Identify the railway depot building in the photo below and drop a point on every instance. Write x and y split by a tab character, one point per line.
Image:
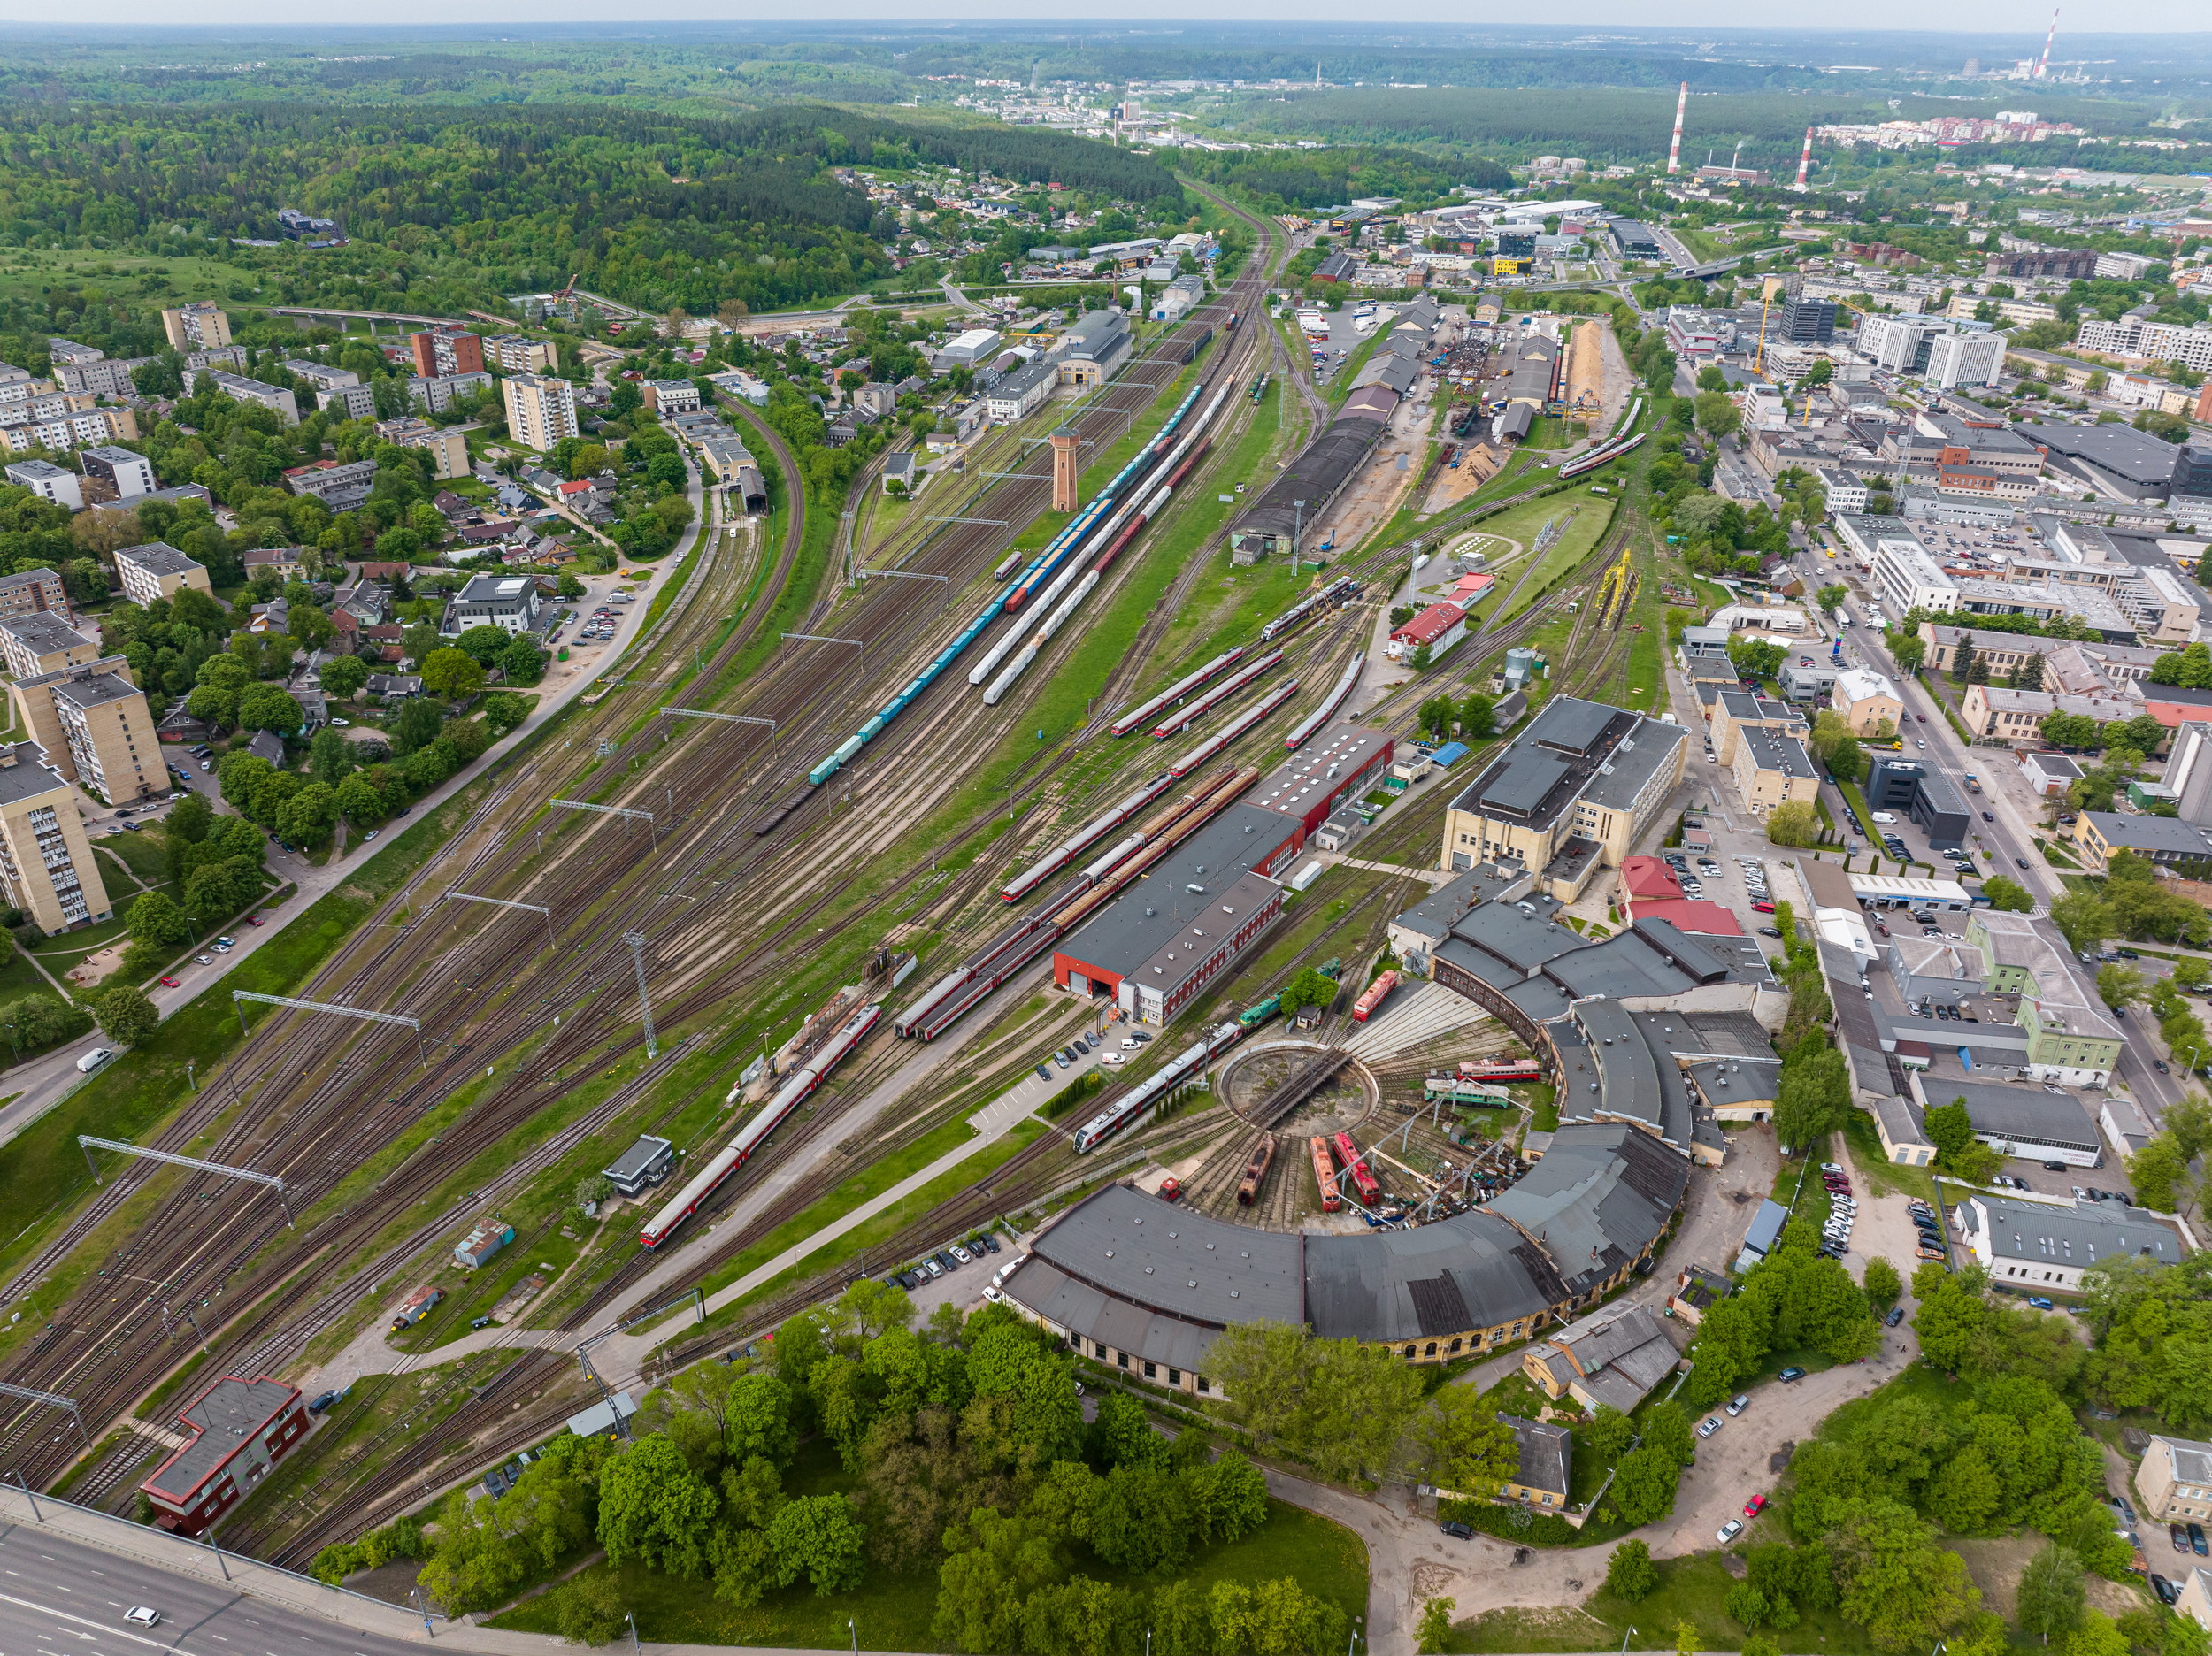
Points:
238	1430
1147	1286
1158	946
1573	792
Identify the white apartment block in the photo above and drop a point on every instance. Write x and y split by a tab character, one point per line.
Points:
47	481
2163	341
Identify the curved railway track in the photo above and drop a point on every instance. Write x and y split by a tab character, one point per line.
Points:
311	1099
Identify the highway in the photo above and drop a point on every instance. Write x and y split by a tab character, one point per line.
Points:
2002	843
60	1598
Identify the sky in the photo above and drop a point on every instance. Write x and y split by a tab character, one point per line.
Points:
2011	16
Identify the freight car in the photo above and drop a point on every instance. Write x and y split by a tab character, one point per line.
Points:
1262	1157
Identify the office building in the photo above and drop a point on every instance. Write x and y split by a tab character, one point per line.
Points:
1021	392
1573	792
1805	322
46	865
1868	702
2042	1247
199	326
158	570
2175	1480
447	350
1965	359
448	447
93	723
112	473
1894	341
512	602
540	411
1772	771
47	481
1910	579
341	485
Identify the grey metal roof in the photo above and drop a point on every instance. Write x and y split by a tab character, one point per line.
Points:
1572	725
1471	1271
43	632
1772	751
1520	935
2192	1461
1603	1192
1627	1074
638	1158
1767	1225
1434	915
158	557
1104	1320
1547	1454
224	1418
1138	924
1137	1248
2008	1110
2080	1235
1320	470
2153	833
29	776
1646	750
1723	1081
1626	963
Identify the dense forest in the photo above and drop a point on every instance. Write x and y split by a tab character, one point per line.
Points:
450	207
1306	180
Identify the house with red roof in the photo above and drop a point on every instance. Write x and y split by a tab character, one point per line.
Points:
1439	626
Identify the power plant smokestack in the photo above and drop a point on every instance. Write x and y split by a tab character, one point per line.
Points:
1804	162
2043	68
1681	105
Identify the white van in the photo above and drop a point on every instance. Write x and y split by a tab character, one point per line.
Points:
94	1059
1881	816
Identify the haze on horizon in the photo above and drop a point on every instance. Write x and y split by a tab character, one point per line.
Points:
2008	16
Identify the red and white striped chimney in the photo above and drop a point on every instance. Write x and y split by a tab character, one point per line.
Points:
1804	162
1674	151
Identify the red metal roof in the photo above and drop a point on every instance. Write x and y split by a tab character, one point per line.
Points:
1648	878
1431	625
1707	917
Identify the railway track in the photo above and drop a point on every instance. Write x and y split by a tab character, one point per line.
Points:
311	1100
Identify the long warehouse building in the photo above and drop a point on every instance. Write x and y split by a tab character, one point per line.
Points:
1177	929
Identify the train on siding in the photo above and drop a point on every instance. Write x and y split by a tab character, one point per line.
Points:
1312	607
1364	1185
1262	1157
740	1149
1141	1096
1324	1174
1378	991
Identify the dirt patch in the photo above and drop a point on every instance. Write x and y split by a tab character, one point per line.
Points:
1995	1563
92	968
1454	483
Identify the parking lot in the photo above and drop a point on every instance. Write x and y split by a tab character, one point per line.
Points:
1737	880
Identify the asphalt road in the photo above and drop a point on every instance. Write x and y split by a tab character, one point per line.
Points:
60	1598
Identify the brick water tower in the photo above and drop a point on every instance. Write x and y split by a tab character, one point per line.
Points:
1064	443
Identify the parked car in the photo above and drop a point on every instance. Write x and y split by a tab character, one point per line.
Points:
2168	1594
1738	1403
1730	1530
2039	1302
1896	1315
1457	1530
1752	1507
1706	1427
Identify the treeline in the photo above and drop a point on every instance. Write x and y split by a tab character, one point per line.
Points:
965	1457
1617	124
449	208
1305	181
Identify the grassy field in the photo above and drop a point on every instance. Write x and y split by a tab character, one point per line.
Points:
893	1612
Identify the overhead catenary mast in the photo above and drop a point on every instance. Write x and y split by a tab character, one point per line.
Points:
1804	162
1674	151
2043	66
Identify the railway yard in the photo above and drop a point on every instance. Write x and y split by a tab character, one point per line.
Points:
857	798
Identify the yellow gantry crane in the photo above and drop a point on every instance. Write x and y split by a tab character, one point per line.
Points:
1618	590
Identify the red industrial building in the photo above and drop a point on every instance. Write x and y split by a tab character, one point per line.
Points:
239	1429
1186	921
1439	626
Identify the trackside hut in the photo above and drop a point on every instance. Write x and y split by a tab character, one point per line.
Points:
238	1430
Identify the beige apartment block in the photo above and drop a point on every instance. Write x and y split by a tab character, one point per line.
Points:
158	570
42	643
96	723
1773	770
540	411
201	325
46	866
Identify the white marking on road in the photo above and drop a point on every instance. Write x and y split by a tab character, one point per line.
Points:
116	1632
